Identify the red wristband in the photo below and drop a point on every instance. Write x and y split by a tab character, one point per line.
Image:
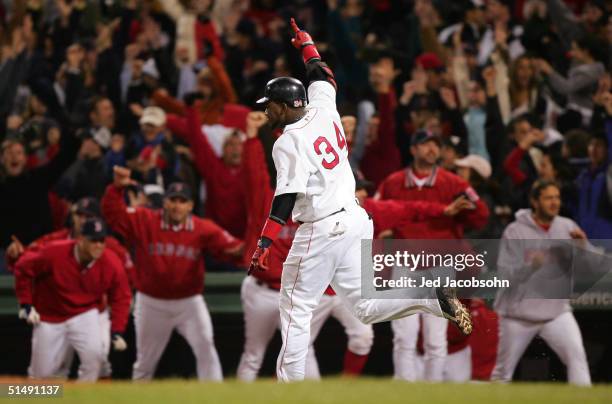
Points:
271	229
310	52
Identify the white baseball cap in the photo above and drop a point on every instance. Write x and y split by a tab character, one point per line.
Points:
154	116
478	163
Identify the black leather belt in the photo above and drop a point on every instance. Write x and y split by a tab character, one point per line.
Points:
331	214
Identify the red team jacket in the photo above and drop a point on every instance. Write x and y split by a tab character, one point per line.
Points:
225	203
391	213
443	187
168	259
59	287
65	234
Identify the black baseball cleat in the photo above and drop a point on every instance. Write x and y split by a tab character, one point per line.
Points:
454	310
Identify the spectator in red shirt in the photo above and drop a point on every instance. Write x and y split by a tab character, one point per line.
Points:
225	201
168	246
59	288
382	157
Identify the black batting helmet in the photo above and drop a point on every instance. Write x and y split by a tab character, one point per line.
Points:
287	90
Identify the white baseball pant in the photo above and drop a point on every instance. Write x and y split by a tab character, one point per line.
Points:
360	336
50	341
323	253
405	336
105	367
563	336
457	366
155	319
105	328
261	317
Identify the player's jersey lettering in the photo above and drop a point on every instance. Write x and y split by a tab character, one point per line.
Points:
341	140
329	149
172	250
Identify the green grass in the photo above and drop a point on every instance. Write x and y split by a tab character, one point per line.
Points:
379	391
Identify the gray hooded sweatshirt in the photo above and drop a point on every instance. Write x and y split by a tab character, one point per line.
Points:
520	239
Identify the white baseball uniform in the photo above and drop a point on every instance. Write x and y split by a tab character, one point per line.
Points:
311	159
50	341
457	366
405	336
261	317
105	368
154	320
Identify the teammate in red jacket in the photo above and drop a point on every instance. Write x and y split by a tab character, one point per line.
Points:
425	181
83	209
169	275
59	288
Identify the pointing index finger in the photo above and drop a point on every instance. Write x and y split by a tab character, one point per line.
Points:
296	29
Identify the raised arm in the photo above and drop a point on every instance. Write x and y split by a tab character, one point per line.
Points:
317	72
570	85
206	161
291	175
222	80
122	219
566	22
255	171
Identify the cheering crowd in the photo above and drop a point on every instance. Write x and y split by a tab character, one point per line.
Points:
132	147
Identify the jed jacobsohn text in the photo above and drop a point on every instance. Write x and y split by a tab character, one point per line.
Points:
445	282
422	260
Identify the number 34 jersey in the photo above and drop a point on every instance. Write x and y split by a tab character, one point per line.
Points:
311	159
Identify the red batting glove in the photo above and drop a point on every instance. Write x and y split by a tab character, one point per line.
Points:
303	41
260	259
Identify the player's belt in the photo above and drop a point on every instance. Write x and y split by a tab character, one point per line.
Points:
259	282
331	214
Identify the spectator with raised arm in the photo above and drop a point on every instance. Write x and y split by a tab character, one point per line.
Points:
225	202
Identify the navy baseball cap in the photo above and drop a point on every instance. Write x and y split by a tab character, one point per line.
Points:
178	189
87	206
94	229
422	135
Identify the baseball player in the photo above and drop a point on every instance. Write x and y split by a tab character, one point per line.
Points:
59	287
259	292
470	357
315	181
83	209
169	276
521	319
424	181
